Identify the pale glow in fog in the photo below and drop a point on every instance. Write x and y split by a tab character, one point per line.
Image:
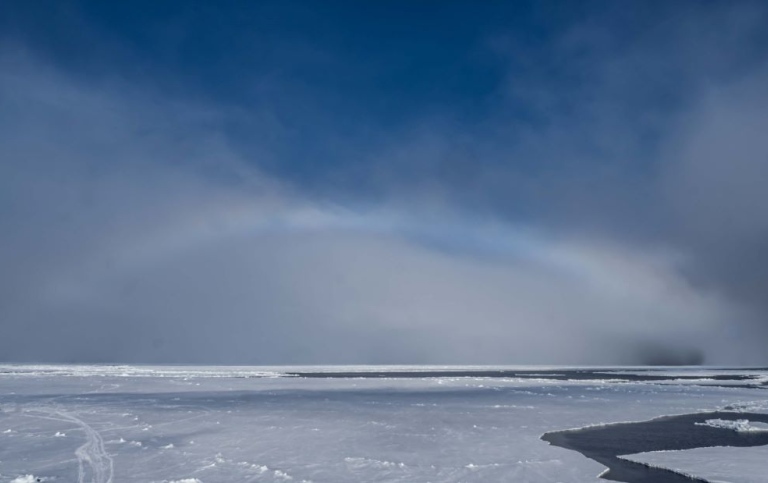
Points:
115	253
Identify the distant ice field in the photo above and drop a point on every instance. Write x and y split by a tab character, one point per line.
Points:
191	424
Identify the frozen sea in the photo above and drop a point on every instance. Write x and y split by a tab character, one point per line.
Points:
100	424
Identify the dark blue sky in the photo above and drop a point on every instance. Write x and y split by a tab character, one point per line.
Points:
393	181
337	77
375	56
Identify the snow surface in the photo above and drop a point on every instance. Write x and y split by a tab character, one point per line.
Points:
760	406
28	479
704	376
212	424
718	464
739	425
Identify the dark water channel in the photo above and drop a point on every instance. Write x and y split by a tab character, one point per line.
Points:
747	381
605	443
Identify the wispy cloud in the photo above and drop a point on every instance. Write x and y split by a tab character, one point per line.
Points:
612	229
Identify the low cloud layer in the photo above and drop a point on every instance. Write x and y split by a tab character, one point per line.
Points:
135	229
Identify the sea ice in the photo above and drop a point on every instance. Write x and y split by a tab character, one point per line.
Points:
137	424
717	464
739	425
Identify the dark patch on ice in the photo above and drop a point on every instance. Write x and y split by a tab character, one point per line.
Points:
605	443
642	375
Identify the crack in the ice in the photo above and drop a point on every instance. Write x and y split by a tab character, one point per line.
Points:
91	455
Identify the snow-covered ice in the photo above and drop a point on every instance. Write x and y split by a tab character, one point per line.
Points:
739	425
717	464
29	479
213	424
